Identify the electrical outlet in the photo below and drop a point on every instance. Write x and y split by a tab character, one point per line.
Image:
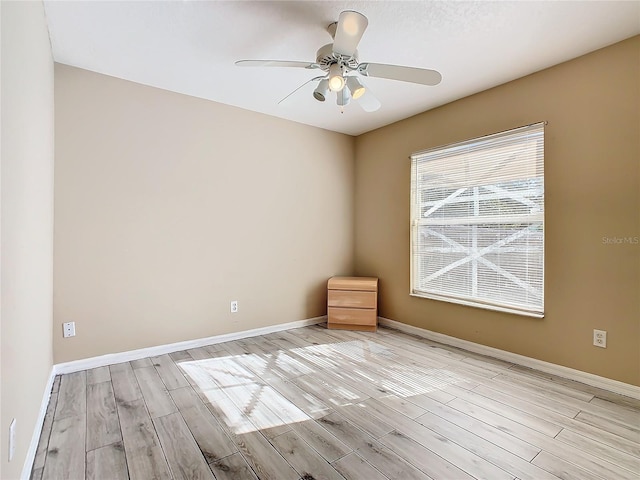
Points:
234	306
600	338
12	439
69	329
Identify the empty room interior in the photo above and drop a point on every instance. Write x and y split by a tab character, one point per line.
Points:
233	248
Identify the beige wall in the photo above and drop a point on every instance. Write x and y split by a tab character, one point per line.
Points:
168	207
592	162
26	223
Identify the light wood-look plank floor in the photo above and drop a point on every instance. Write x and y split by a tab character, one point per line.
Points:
313	403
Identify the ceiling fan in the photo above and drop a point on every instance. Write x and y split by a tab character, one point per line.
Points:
341	67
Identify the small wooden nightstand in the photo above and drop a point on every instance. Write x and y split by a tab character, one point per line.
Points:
352	303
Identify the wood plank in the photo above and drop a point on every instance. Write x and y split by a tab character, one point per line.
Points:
390	464
215	347
36	474
258	452
145	458
502	423
387	462
221	371
617	407
209	435
578	456
354	467
66	453
620	415
56	384
98	375
521	401
470	401
533	395
233	467
509	441
72	397
326	388
107	462
429	349
521	378
103	426
307	462
619	443
442	445
185	398
308	403
562	468
43	442
250	400
181	356
263	367
169	372
326	444
182	452
124	382
423	458
612	427
600	450
231	419
235	348
515	466
141	363
402	405
154	392
574	385
199	353
211	438
611	412
359	416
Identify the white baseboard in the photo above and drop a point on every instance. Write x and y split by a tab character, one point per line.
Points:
35	438
110	359
566	372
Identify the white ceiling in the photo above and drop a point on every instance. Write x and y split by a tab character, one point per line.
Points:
190	47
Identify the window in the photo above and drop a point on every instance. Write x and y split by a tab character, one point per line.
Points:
477	222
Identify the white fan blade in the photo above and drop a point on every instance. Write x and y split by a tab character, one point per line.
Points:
368	101
301	86
351	27
404	74
275	63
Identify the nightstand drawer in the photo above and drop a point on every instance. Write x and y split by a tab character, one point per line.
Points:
349	316
356	299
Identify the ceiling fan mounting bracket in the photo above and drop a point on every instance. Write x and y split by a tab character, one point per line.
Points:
331	28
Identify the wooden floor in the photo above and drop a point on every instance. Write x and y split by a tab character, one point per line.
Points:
319	404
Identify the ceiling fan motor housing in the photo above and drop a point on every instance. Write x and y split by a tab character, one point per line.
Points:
325	57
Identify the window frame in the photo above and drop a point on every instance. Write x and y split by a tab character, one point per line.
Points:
417	203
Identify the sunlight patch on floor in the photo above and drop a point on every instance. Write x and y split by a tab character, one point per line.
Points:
233	387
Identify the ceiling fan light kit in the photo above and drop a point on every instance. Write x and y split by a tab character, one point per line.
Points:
343	97
339	62
356	88
321	91
336	80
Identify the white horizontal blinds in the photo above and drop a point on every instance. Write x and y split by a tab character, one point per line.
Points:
478	221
